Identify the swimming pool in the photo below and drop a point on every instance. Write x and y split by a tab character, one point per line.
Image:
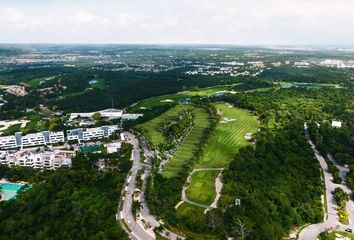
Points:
9	190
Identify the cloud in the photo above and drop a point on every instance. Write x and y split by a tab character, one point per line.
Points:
84	18
180	21
13	15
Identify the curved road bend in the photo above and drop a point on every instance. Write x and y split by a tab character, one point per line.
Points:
125	214
312	231
139	231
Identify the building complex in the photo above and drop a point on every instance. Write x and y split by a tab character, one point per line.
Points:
110	113
47	159
49	138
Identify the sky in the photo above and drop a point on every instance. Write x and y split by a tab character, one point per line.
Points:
240	22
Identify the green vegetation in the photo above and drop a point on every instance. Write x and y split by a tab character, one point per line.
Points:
101	84
38	81
341	199
327	236
334	171
190	144
226	140
202	187
173	99
228	136
67	203
152	129
12	129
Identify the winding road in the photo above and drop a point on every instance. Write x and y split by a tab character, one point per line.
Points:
142	227
331	221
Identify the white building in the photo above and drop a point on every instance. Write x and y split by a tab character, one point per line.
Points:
33	139
87	134
122	137
8	142
131	116
336	124
113	147
110	113
37	159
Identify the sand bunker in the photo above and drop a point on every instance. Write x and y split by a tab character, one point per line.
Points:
227	120
166	101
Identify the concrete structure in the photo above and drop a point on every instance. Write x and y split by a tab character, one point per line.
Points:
110	113
33	139
336	124
113	147
87	134
8	142
48	138
37	159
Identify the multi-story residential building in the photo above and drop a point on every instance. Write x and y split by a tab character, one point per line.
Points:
30	140
49	138
33	139
37	159
8	142
87	134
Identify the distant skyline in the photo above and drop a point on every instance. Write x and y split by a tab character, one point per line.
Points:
239	22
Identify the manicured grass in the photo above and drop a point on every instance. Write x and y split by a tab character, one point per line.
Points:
202	187
228	137
152	127
185	208
346	234
156	101
224	143
188	147
38	81
101	84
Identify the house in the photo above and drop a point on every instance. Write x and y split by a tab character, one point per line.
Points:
336	124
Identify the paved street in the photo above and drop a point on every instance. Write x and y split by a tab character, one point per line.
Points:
142	228
331	222
125	214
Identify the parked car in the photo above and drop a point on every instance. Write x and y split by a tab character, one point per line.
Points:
349	230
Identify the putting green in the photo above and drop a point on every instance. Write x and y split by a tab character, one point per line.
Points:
202	187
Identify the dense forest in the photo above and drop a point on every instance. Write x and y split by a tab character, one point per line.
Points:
76	203
278	181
